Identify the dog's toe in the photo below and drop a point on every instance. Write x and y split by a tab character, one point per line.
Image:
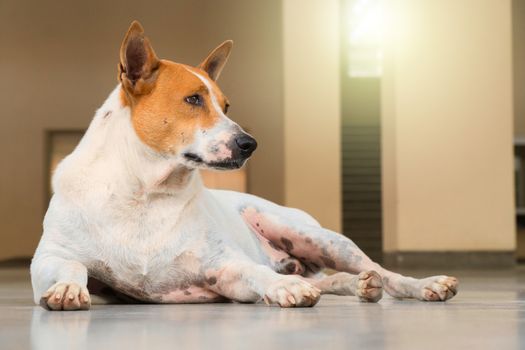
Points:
369	287
439	288
67	297
292	292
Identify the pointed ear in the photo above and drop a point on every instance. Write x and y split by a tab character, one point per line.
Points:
138	62
214	63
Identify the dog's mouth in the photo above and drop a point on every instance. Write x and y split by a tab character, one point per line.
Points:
219	165
226	165
192	157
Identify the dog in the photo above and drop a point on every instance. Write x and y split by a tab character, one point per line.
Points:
130	210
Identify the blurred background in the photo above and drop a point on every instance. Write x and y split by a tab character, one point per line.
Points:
400	123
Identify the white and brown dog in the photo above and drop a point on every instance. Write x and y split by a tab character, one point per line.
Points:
130	210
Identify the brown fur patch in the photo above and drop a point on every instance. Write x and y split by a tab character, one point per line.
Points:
155	90
287	244
163	119
271	244
328	262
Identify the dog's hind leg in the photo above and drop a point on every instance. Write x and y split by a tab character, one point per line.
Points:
280	260
301	236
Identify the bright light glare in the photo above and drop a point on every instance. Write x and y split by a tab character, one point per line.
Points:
367	22
367	25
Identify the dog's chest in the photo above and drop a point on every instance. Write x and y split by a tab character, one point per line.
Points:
150	277
154	249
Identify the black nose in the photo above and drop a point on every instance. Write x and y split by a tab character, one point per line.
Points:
246	144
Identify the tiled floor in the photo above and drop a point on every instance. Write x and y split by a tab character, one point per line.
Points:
488	313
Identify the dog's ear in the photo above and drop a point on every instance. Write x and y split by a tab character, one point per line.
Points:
214	63
138	65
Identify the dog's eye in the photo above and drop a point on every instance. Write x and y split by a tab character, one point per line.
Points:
226	108
195	100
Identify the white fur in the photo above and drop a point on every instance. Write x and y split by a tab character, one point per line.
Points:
116	200
144	219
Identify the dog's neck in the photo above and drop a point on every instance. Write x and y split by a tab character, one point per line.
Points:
131	167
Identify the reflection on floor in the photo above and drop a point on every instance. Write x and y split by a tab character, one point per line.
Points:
488	313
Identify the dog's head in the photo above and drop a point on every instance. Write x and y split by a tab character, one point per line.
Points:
178	110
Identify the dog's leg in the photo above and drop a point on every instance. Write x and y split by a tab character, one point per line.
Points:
367	286
244	281
59	284
300	235
281	261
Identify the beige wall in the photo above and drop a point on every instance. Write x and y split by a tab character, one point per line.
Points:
58	64
447	126
312	108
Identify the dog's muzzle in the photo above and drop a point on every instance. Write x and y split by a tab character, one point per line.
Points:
242	147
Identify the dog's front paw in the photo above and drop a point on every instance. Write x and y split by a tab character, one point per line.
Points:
292	292
369	287
438	288
66	296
